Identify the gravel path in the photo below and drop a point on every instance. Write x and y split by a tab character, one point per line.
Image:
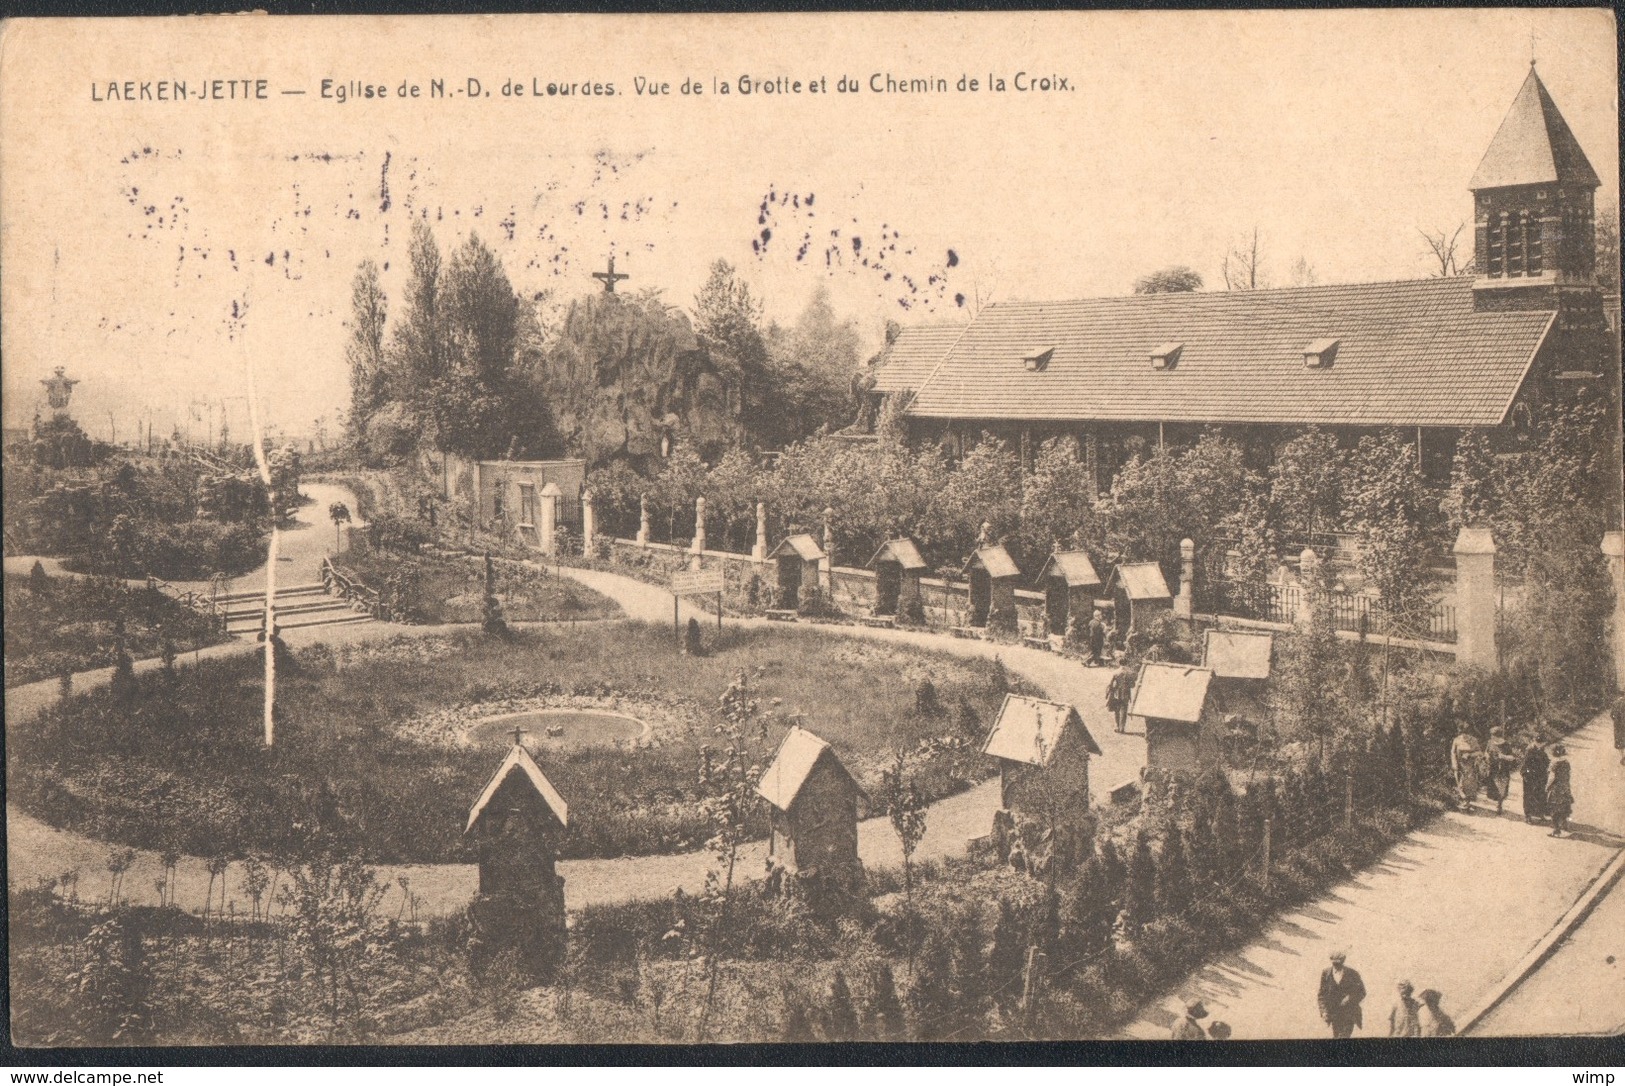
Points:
1454	907
36	850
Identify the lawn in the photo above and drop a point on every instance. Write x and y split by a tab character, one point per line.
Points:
431	590
356	767
54	623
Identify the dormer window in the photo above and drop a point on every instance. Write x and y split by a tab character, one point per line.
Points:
1166	357
1037	359
1318	355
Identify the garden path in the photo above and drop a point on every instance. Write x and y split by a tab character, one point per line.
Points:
36	850
1455	906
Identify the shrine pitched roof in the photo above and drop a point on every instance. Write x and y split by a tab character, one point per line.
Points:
798	755
1030	730
901	551
1073	567
1171	692
1238	654
1409	354
1142	581
996	560
519	761
803	546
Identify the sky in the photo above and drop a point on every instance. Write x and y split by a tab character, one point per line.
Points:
176	257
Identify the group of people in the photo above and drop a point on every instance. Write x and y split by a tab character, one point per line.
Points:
1548	787
1342	994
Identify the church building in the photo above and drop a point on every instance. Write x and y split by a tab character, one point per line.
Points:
1490	349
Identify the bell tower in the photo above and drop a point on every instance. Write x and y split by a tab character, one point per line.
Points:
1534	212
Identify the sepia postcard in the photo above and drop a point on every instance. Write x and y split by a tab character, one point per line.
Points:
684	529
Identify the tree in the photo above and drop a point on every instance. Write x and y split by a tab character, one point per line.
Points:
339	514
1242	267
1441	245
1306	485
417	348
1173	874
812	363
1174	279
364	351
1608	250
1392	506
728	322
905	807
1058	500
883	1017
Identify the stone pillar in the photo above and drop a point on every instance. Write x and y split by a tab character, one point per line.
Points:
588	527
829	555
698	545
1185	601
758	552
1613	549
1308	585
643	521
1475	598
550	518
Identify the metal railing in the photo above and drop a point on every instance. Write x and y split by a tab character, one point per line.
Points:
1364	615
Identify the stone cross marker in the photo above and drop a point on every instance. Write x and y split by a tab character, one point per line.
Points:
611	277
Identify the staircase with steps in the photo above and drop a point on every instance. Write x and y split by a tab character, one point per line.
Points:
296	606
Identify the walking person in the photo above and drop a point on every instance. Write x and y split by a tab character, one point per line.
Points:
1341	993
1501	761
1189	1028
1534	770
1119	692
1403	1020
1431	1019
1097	641
1559	791
1465	763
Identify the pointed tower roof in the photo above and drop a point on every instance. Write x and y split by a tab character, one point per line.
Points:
1534	145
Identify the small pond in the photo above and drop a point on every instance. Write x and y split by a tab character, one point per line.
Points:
573	728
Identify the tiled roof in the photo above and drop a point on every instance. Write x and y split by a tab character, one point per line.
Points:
1073	567
1233	654
519	761
1143	581
901	551
1534	145
798	753
1171	692
996	560
1030	730
803	546
1409	354
911	357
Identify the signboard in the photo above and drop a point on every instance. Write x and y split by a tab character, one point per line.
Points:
696	582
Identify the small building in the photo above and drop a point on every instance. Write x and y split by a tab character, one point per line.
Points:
798	558
992	574
1043	750
518	824
1069	582
1138	593
510	495
1180	721
814	803
898	567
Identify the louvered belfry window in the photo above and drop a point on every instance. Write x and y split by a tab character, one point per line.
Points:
1518	236
1496	262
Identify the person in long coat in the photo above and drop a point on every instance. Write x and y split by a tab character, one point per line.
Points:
1501	761
1466	758
1559	791
1534	770
1119	692
1341	993
1431	1019
1402	1020
1097	641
